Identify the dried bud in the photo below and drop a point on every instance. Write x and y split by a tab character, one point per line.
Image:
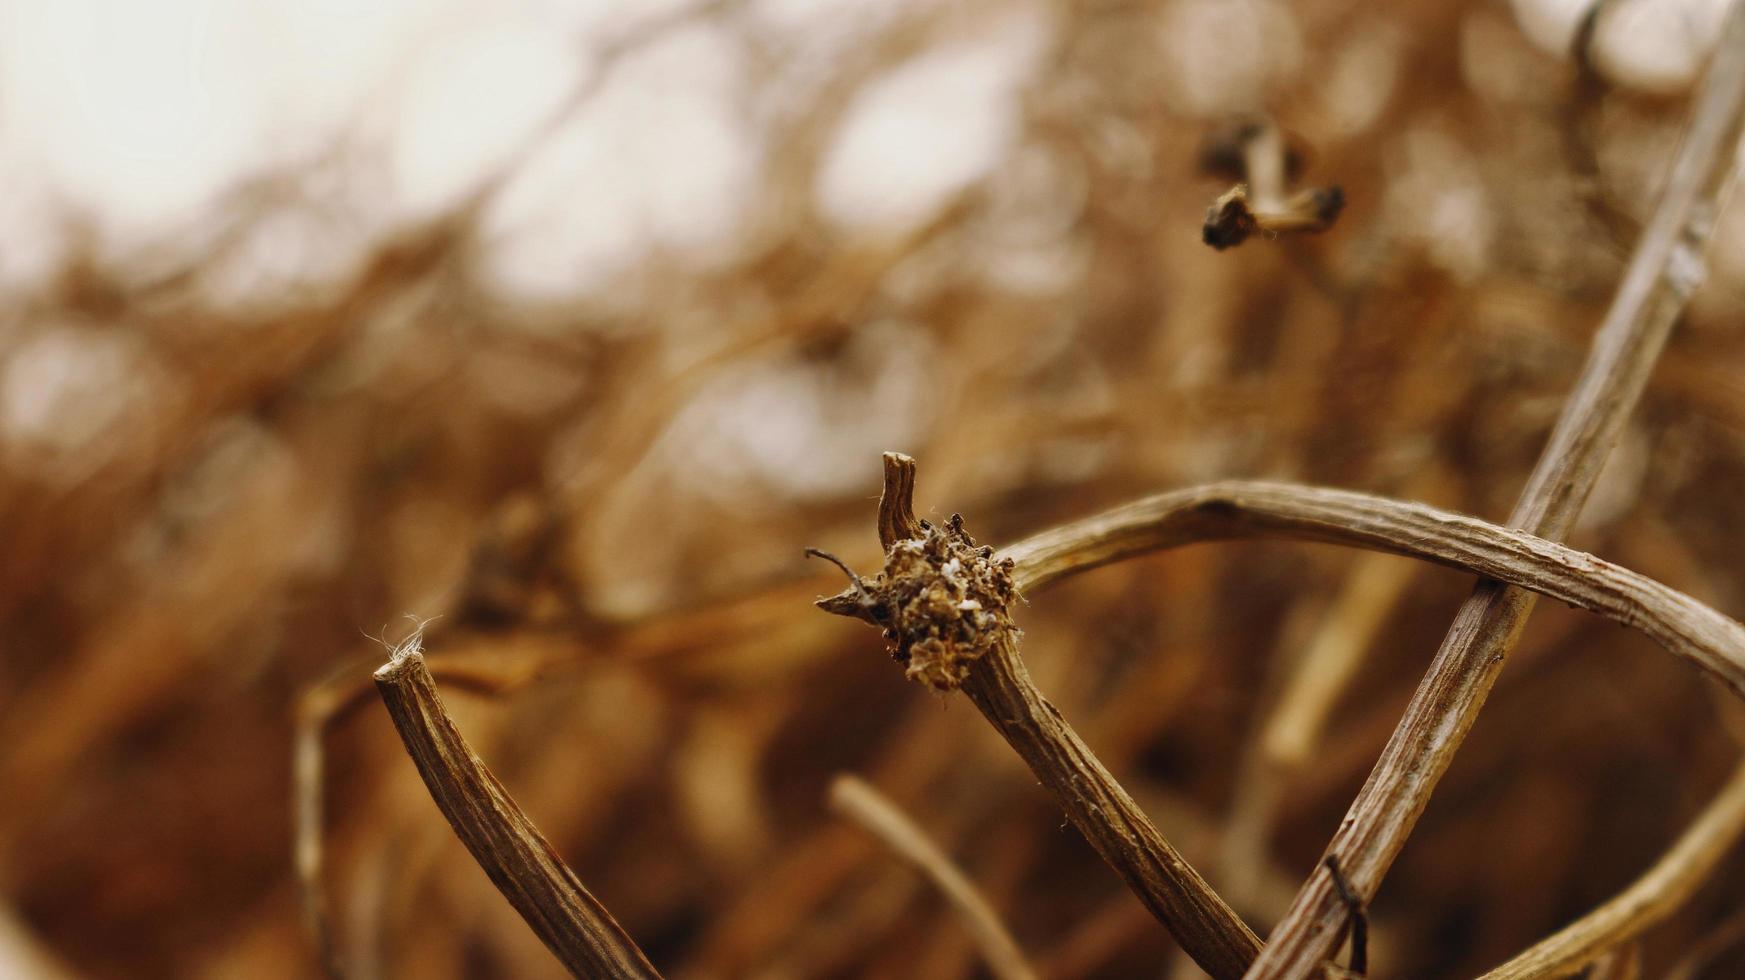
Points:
942	600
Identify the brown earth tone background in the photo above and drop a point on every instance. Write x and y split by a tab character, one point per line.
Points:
567	330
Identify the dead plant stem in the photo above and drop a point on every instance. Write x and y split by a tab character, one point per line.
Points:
1224	511
997	682
1663	273
989	671
1651	898
504	842
856	799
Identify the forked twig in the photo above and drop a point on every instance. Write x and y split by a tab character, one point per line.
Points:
1651	898
523	866
943	601
993	676
1663	273
856	799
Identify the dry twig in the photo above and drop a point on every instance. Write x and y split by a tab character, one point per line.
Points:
1222	511
856	799
1666	269
523	866
978	651
1713	944
1653	897
22	954
1623	963
1292	730
1255	153
944	600
319	709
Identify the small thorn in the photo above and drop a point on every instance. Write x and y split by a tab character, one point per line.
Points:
859	586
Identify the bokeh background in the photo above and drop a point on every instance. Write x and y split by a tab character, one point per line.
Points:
567	325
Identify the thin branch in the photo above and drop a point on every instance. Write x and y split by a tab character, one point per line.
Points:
549	896
944	602
1293	730
994	677
23	954
1717	941
308	822
319	709
1653	897
1665	270
1289	734
857	800
1255	153
1223	511
1623	963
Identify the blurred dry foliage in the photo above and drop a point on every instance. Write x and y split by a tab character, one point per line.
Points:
215	480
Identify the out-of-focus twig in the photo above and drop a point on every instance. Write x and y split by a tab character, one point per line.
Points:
1653	897
1705	950
23	955
856	799
1332	658
1623	963
1254	153
1291	732
567	918
1665	271
1578	135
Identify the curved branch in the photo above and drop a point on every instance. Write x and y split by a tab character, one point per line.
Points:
991	673
856	799
1664	271
1653	897
1222	511
523	866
